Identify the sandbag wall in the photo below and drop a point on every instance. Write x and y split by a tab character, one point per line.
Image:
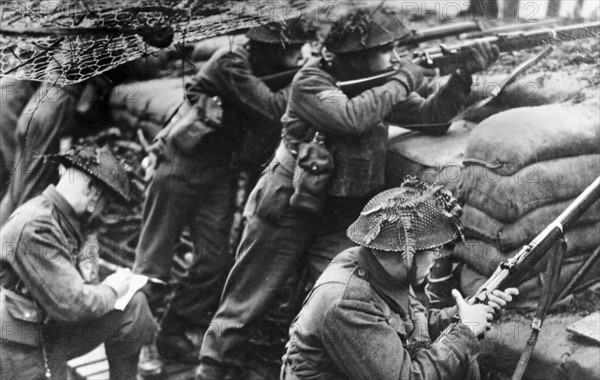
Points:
523	167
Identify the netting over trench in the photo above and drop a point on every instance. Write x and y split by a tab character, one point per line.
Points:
67	41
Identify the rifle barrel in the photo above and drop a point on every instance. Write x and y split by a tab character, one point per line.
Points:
517	27
429	34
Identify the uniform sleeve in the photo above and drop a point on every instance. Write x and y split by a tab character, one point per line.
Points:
320	103
44	266
233	80
364	346
438	108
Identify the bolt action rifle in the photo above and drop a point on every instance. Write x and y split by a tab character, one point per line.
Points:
516	269
280	80
448	59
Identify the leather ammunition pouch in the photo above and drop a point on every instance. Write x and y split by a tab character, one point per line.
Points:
194	122
20	319
314	166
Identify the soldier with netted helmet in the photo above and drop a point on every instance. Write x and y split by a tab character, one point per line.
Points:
53	308
230	120
295	218
362	320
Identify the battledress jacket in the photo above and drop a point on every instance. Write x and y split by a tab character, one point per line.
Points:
360	323
251	110
42	259
356	129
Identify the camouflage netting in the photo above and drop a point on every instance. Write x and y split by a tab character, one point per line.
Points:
69	41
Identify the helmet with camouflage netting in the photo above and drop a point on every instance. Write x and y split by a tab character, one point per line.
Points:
99	163
365	28
413	217
296	31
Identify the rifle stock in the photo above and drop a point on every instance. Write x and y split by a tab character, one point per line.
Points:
513	271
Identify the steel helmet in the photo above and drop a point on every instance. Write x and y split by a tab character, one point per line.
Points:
101	164
296	31
365	28
413	217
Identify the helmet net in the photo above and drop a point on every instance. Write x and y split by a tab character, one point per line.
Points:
68	41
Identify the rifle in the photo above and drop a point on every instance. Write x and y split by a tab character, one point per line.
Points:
417	37
280	80
447	59
514	271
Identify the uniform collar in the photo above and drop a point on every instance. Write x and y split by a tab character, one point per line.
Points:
64	208
387	286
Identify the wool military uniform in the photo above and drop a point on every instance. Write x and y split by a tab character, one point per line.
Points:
49	300
361	323
277	238
195	188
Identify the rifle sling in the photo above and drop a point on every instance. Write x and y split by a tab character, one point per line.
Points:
548	292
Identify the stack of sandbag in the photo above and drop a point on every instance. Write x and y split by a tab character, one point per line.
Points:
523	167
439	158
145	105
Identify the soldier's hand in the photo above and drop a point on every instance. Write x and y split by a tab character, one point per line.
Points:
409	74
149	164
119	281
498	299
479	57
475	317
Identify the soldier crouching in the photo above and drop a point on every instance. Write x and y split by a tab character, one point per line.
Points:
362	320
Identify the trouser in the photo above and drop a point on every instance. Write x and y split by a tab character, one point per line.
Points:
196	191
122	332
275	241
49	115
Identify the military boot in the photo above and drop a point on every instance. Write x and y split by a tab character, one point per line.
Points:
150	365
172	342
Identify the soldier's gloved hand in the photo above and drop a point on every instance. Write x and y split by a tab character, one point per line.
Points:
480	56
409	74
119	281
475	317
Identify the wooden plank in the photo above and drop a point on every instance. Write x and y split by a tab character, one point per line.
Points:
588	327
93	370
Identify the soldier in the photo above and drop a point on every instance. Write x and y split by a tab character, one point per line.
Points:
52	113
362	320
279	234
52	308
192	184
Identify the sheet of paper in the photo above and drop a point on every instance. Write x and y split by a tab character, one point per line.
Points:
136	283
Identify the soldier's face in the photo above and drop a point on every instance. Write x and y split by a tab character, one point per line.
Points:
422	265
290	57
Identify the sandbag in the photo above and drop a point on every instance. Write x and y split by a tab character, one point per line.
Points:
529	91
479	225
507	198
430	158
485	257
512	140
146	105
530	290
